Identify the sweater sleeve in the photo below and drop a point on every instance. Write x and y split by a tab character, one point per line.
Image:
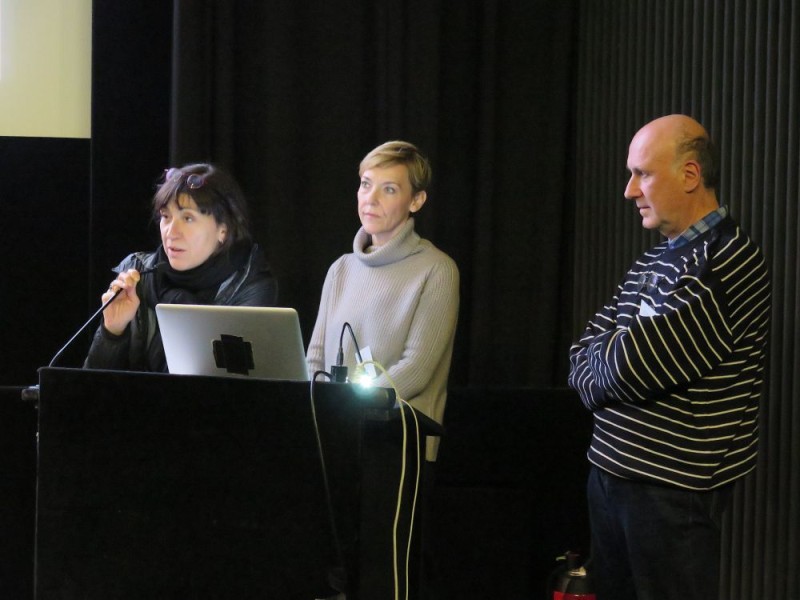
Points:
689	337
108	351
315	355
431	333
582	378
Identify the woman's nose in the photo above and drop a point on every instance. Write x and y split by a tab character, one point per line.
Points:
172	229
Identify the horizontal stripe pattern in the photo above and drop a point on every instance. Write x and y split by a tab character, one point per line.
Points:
675	385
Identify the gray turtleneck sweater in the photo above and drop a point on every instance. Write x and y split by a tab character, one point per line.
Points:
401	299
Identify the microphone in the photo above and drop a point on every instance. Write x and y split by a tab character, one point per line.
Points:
153	269
339	371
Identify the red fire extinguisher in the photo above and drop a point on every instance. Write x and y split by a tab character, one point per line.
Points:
571	580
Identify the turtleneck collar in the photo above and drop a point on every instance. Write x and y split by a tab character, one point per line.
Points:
403	244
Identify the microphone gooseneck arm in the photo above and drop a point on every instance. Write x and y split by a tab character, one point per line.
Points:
97	312
339	371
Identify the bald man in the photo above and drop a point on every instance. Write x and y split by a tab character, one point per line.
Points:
672	370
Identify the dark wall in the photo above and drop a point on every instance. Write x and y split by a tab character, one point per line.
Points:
18	491
44	209
510	490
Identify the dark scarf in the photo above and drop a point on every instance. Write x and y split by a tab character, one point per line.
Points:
195	286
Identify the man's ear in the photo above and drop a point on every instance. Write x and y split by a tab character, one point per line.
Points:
692	176
418	200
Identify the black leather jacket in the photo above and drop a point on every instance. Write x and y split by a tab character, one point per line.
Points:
139	348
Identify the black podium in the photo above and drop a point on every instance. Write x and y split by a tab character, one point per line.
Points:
164	486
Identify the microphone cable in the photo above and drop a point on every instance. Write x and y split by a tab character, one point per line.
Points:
341	584
339	371
403	405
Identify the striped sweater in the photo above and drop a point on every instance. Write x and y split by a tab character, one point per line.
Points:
673	367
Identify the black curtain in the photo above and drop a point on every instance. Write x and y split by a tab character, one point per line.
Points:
290	96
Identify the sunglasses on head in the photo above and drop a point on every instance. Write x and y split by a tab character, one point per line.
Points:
193	180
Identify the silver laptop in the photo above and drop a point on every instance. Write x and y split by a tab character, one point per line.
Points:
238	341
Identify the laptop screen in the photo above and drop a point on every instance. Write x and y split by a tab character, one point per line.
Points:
232	341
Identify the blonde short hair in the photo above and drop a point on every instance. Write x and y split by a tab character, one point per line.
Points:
400	153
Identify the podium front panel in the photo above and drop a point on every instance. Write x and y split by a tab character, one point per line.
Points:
156	486
164	486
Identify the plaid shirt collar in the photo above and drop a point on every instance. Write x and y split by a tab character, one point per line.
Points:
703	225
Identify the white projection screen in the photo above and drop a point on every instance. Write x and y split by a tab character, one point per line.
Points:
45	68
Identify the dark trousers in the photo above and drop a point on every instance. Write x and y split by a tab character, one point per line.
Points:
652	542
